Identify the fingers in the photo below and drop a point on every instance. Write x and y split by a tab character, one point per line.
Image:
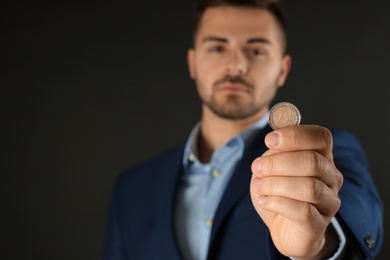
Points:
298	171
293	210
302	137
299	191
295	184
298	164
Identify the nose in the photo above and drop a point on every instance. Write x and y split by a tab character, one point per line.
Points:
237	64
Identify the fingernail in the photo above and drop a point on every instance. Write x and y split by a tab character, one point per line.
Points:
272	140
262	199
256	183
256	167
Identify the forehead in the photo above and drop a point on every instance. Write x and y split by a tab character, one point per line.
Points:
238	23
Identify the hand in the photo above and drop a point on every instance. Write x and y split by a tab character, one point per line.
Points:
294	189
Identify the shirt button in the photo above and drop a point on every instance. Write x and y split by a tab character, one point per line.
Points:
209	222
216	173
191	157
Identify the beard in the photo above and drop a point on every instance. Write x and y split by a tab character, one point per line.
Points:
233	107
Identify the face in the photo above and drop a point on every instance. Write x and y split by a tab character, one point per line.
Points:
238	61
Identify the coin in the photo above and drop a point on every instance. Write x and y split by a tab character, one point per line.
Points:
283	114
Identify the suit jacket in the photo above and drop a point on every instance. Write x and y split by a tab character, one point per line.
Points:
141	224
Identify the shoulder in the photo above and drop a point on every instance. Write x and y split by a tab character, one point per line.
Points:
142	172
346	144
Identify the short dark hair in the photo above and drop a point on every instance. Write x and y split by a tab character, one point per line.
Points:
273	6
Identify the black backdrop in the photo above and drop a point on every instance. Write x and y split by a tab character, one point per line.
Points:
88	90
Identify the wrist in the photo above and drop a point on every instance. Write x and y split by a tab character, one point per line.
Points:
327	246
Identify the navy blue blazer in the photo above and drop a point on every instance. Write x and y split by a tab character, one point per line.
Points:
141	223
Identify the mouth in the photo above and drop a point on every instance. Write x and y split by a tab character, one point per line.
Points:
233	89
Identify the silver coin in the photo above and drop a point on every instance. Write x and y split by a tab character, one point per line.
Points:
283	114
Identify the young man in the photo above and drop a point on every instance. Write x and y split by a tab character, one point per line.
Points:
236	189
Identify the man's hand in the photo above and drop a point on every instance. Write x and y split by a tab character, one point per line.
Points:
294	189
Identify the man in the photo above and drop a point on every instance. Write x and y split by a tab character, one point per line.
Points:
236	189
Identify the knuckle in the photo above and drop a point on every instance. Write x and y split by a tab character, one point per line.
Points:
312	161
339	180
334	207
309	211
338	203
295	137
313	190
326	137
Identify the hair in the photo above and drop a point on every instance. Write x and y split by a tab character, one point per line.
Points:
272	6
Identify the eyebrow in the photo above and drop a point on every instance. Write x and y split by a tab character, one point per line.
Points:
214	39
224	40
259	40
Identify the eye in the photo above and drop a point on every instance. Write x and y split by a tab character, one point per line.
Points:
256	52
216	49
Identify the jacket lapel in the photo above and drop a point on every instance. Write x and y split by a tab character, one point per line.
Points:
167	185
168	180
239	183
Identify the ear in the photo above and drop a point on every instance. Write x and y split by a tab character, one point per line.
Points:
286	66
191	62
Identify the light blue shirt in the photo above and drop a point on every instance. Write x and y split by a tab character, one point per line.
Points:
201	188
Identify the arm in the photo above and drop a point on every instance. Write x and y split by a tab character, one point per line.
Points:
359	197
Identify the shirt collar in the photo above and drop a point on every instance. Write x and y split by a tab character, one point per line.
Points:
191	150
249	134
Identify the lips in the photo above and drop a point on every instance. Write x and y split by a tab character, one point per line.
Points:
233	88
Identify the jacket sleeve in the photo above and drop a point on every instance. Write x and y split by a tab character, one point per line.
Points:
361	211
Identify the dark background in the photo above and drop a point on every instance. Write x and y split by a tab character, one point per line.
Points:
90	89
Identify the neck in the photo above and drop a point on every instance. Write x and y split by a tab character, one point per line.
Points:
216	131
